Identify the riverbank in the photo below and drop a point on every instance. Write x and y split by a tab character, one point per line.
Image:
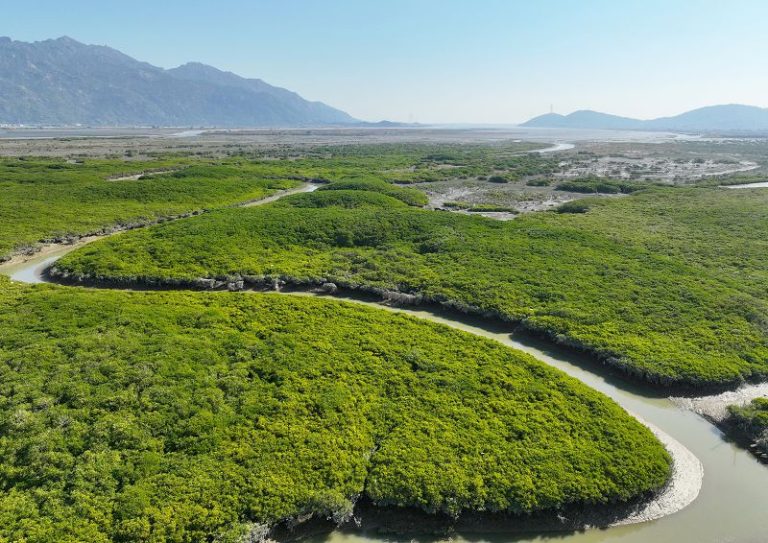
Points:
556	148
399	522
715	409
143	174
50	247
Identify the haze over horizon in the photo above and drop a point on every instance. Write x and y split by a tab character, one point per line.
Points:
488	62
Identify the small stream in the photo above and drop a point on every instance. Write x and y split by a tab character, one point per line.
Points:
759	185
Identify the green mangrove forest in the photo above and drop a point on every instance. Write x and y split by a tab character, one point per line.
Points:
164	409
53	200
172	416
666	284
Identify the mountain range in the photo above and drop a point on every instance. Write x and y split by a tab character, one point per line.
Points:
731	118
65	82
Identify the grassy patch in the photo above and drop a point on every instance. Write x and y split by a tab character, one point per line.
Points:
597	185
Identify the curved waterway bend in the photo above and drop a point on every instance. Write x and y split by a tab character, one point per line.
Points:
729	509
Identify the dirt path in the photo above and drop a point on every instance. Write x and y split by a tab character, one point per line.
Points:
146	173
308	187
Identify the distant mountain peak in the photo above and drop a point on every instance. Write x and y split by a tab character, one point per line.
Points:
548	117
198	69
65	82
194	65
583	118
718	118
63	42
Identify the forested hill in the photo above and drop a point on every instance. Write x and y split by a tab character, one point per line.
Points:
65	82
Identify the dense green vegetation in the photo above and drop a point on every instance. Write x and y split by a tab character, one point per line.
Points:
408	195
667	284
46	199
599	185
341	198
467	206
181	417
408	163
495	163
576	206
752	421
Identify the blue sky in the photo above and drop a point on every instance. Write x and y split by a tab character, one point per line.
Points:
480	61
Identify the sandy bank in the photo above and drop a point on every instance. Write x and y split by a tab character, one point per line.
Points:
715	407
683	487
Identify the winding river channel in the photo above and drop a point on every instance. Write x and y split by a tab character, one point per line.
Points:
731	506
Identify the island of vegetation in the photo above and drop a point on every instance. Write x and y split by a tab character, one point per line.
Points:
173	416
750	422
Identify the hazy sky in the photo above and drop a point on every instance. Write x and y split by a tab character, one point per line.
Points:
475	61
